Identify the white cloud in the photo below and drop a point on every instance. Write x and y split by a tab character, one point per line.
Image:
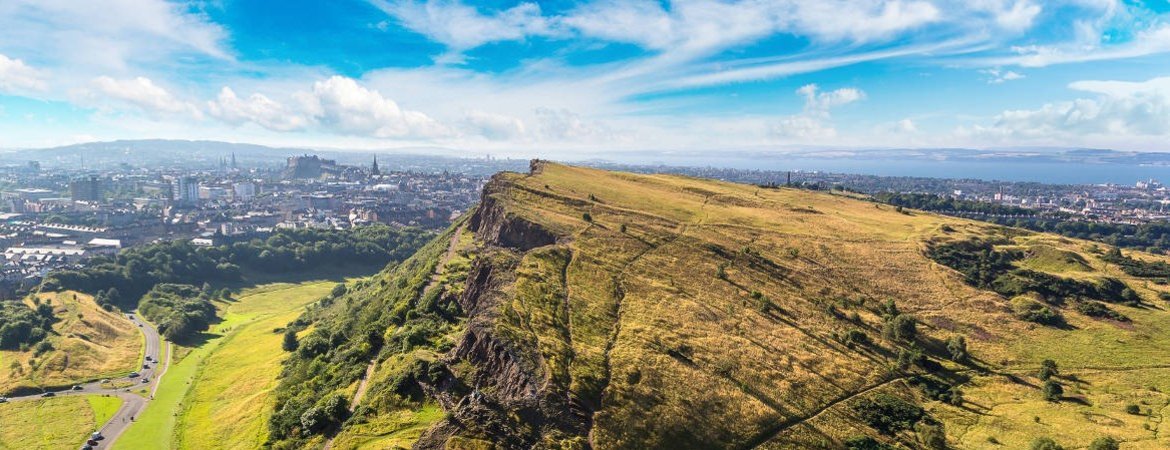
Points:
813	122
110	36
802	127
905	126
999	76
344	106
257	108
1011	15
820	102
566	126
142	93
18	77
461	27
498	127
1121	110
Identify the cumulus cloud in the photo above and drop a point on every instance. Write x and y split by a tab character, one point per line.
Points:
497	127
342	105
140	92
1120	109
813	121
18	77
257	108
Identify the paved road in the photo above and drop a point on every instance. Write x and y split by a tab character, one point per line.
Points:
132	403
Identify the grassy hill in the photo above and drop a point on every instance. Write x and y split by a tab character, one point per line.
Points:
579	308
88	343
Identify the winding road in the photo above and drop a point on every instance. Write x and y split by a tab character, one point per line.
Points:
132	403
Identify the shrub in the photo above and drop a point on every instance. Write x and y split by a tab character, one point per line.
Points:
902	327
1053	390
1048	369
587	217
865	443
1133	409
888	414
1105	443
1032	311
932	436
1097	309
338	290
1044	443
289	344
856	337
957	347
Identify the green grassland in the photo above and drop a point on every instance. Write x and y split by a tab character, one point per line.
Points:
89	343
216	395
56	423
694	312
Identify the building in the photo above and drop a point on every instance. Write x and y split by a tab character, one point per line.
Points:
244	190
186	191
87	189
308	167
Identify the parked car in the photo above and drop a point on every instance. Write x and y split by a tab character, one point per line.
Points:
48	394
133	375
76	387
145	380
3	399
146	366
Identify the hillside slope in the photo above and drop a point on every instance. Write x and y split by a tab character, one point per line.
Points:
87	343
591	309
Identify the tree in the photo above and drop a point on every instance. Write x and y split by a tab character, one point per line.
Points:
888	414
289	344
1044	443
1048	369
338	290
957	347
932	436
902	327
1105	443
1053	390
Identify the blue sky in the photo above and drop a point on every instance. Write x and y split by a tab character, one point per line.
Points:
572	77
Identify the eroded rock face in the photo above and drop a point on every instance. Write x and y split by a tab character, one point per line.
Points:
512	402
494	225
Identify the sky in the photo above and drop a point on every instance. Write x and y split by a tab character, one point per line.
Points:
573	77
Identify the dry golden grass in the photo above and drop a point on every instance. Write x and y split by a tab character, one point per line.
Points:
89	344
639	324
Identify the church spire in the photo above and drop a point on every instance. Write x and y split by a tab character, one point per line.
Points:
374	169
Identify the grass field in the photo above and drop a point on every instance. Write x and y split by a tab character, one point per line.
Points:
56	423
89	344
215	397
703	313
398	430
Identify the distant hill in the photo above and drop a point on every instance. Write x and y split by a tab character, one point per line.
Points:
578	308
204	155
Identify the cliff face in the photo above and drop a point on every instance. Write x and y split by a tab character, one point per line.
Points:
617	311
511	400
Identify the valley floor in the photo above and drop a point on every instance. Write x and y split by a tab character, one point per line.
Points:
216	395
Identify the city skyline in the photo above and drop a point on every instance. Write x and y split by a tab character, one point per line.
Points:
570	77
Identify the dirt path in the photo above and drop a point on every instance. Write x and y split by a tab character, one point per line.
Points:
363	385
